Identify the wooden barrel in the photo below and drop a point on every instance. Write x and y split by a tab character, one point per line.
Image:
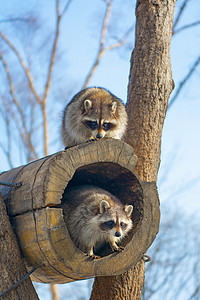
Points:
37	216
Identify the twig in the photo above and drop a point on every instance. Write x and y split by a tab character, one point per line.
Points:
54	291
186	27
121	41
52	59
17	104
26	70
8	134
23	136
191	71
103	49
102	42
12	90
179	14
48	81
13	20
66	7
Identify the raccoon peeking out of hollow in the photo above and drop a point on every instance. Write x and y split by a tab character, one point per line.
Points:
94	216
92	114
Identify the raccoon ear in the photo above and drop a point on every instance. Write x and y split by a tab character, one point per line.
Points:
104	205
114	106
128	210
87	104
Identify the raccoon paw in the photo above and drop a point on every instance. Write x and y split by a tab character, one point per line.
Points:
93	256
119	249
91	140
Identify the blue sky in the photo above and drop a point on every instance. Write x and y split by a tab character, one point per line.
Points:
78	44
179	174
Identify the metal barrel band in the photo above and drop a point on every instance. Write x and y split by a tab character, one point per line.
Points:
16	184
146	258
18	282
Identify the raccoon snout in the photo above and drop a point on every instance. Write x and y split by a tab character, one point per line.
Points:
117	234
99	136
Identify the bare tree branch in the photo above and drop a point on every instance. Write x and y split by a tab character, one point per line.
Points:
181	85
53	287
16	121
13	20
54	291
183	82
7	151
27	136
48	82
195	293
40	100
121	41
12	90
30	154
24	137
102	42
53	53
102	48
66	7
186	27
55	43
179	14
26	70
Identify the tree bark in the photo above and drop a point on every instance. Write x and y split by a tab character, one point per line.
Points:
12	266
150	85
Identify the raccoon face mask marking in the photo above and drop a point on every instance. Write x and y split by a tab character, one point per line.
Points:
93	113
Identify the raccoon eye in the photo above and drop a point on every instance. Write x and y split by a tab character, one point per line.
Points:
109	224
91	124
106	126
123	225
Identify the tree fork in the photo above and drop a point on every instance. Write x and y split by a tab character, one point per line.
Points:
150	85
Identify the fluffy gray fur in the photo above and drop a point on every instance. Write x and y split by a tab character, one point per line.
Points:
86	211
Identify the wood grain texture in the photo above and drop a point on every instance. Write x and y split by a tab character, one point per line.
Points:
150	83
36	212
149	88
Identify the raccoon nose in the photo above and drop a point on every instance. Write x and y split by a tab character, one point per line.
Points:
99	136
117	234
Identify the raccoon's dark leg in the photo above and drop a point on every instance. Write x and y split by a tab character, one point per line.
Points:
116	248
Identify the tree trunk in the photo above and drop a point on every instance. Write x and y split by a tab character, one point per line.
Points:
12	266
150	85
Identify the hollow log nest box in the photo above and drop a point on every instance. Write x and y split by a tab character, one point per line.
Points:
35	209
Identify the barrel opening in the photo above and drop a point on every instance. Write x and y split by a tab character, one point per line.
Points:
117	180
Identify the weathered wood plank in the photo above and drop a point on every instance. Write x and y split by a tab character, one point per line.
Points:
36	209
